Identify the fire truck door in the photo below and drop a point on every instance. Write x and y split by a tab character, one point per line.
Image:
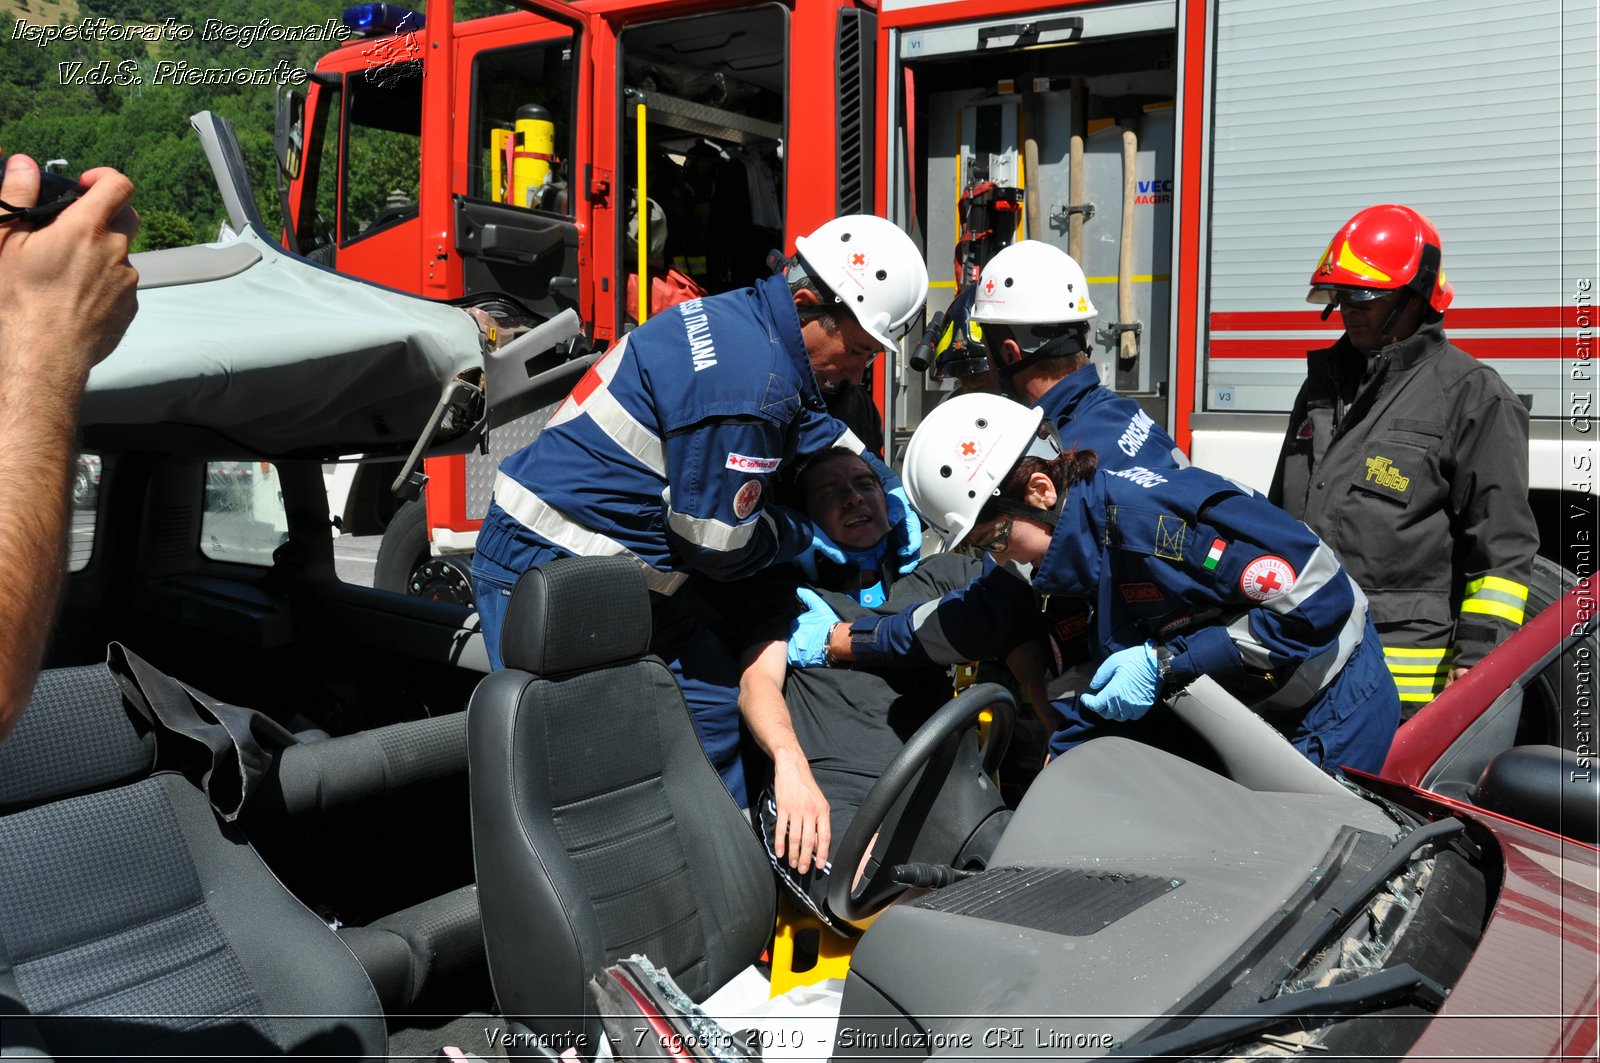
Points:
517	225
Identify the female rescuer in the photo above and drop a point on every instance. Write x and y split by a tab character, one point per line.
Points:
1186	574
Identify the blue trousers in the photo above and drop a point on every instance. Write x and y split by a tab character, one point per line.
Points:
706	672
1350	722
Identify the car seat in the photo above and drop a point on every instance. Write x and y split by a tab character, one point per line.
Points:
137	923
599	828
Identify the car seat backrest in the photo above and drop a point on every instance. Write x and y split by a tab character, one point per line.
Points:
134	922
600	829
73	738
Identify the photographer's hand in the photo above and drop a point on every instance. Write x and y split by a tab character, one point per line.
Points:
67	294
66	287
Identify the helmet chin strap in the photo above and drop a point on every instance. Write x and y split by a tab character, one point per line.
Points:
1047	517
1068	343
1407	294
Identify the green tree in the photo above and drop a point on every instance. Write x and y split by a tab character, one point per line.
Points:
162	228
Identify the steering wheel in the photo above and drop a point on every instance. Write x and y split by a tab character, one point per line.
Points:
924	748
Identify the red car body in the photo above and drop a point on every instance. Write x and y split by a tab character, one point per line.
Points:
1532	989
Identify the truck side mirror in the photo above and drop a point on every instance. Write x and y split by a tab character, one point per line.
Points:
289	132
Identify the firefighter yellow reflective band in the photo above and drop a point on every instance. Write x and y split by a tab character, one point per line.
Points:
1493	596
1418	674
1364	270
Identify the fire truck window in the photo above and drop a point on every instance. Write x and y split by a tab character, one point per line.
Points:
244	519
522	126
85	504
319	183
383	148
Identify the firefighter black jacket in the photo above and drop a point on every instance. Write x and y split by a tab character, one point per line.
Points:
1414	468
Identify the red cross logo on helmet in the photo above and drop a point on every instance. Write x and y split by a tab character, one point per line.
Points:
969	449
858	259
988	286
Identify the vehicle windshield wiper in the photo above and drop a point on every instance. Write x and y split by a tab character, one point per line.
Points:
1380	989
1354	902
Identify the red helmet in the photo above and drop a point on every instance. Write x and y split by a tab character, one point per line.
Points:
1380	250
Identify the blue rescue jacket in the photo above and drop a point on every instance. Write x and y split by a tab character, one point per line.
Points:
1116	428
1236	588
711	397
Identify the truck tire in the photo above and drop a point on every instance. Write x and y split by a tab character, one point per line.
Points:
407	566
1551	701
83	489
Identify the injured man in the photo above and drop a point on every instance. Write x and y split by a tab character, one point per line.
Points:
830	732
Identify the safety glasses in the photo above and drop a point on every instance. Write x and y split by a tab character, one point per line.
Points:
994	543
1356	296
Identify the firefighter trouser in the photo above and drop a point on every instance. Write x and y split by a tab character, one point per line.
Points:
1419	673
1418	652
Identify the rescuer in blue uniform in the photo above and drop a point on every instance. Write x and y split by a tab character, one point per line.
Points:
1022	330
1190	575
665	450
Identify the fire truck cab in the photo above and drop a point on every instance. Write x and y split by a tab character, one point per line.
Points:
507	154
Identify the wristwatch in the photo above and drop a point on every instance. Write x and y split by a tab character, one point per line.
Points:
1163	662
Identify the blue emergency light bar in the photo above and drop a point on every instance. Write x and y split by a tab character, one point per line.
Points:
375	20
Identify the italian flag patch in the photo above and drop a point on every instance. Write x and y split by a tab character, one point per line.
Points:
1214	555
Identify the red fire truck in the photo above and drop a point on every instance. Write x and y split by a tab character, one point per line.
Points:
1194	155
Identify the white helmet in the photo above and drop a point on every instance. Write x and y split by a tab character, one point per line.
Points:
872	268
1033	283
960	454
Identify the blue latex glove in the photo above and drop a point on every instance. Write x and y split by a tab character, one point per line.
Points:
905	537
821	546
1125	685
808	639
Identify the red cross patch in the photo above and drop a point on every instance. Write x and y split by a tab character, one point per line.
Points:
858	260
969	449
744	503
1266	578
988	286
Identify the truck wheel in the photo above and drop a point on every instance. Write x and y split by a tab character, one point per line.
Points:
1549	705
83	489
406	566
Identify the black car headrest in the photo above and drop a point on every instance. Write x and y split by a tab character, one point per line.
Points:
75	736
601	610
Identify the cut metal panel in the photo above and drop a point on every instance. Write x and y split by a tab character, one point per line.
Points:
503	442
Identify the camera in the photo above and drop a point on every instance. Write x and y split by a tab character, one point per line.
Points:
56	193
